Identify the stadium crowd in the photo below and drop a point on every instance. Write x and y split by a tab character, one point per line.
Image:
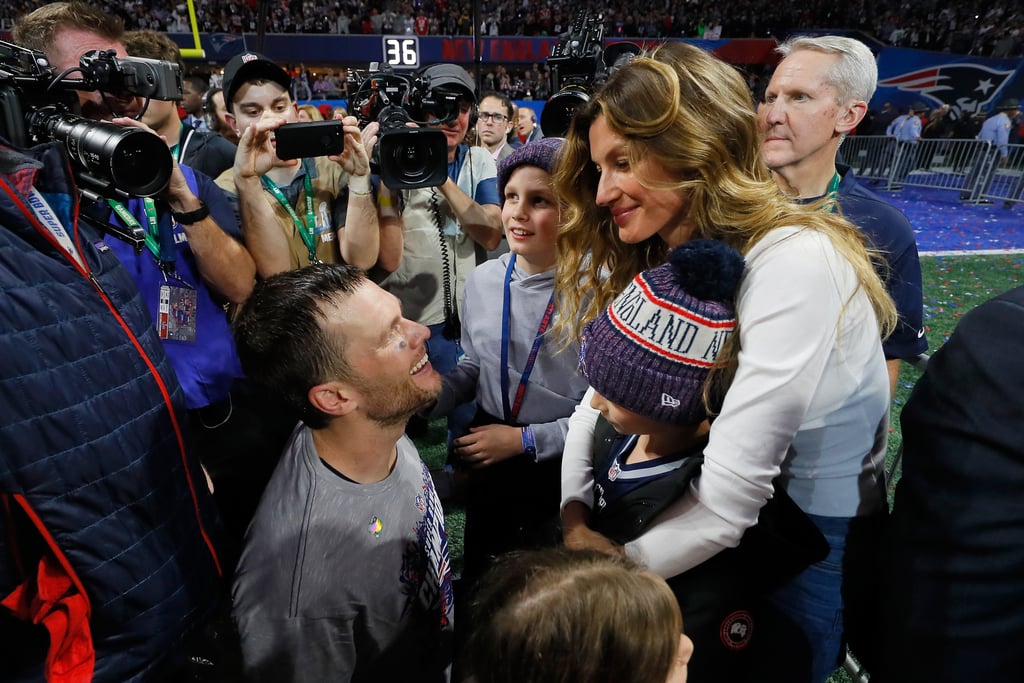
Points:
974	27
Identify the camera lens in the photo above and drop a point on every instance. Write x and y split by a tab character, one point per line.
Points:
135	163
413	157
134	160
560	109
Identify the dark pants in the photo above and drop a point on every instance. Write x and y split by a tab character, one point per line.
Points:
509	506
239	443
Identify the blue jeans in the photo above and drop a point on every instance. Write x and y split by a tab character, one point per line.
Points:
813	602
444	355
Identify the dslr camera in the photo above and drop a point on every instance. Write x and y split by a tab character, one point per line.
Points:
406	157
578	64
37	105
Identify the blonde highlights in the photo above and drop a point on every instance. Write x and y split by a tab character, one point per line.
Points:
690	113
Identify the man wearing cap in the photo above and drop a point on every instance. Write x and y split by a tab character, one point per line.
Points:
906	128
297	212
810	105
995	130
446	233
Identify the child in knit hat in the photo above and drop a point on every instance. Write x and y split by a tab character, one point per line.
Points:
649	358
525	383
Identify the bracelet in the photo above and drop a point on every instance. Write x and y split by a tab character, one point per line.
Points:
529	442
357	193
384	202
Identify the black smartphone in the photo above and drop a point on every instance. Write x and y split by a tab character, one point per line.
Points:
309	139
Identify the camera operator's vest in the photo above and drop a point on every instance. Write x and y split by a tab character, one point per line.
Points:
419	281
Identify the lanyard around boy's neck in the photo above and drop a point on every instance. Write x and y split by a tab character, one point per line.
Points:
512	410
308	231
159	238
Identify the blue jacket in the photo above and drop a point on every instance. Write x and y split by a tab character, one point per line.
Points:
207	367
97	484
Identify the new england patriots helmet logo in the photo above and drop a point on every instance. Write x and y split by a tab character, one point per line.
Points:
967	87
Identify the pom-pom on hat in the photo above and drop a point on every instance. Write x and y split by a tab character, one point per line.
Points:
652	349
540	153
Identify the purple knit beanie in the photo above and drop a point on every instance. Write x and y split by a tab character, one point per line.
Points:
540	153
650	352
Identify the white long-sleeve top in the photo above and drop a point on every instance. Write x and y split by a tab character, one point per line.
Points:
809	401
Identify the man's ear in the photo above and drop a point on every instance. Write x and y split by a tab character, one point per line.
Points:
851	116
230	118
333	398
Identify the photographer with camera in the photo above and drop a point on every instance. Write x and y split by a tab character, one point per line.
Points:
107	561
296	212
448	228
193	262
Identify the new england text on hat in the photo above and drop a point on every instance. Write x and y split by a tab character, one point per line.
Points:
667	329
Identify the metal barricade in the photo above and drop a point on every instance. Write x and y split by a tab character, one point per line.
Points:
944	164
1004	180
870	156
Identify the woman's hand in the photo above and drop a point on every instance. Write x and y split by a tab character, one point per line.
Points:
576	535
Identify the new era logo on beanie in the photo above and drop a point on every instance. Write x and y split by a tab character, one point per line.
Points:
652	349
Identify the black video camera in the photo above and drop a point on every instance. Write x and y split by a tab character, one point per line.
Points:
39	105
578	64
405	157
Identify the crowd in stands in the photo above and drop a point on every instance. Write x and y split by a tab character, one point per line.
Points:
973	27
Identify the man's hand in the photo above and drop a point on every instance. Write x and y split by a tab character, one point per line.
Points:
256	153
489	444
178	195
358	147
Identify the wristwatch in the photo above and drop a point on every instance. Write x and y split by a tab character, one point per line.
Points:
194	216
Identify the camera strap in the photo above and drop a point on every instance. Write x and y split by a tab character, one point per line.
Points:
512	410
308	231
159	240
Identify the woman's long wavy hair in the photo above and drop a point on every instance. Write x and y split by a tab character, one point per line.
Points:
685	110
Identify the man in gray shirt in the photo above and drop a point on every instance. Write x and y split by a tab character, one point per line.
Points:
345	574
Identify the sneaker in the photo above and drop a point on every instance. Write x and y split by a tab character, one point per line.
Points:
1007	204
984	201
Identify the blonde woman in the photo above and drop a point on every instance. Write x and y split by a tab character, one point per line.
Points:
307	113
668	151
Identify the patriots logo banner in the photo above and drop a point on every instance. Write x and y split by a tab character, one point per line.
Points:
968	84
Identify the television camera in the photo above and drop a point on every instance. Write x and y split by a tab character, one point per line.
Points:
37	105
406	157
578	64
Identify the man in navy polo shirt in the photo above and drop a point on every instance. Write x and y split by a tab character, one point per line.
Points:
817	95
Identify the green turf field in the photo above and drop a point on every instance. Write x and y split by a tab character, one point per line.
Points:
953	285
